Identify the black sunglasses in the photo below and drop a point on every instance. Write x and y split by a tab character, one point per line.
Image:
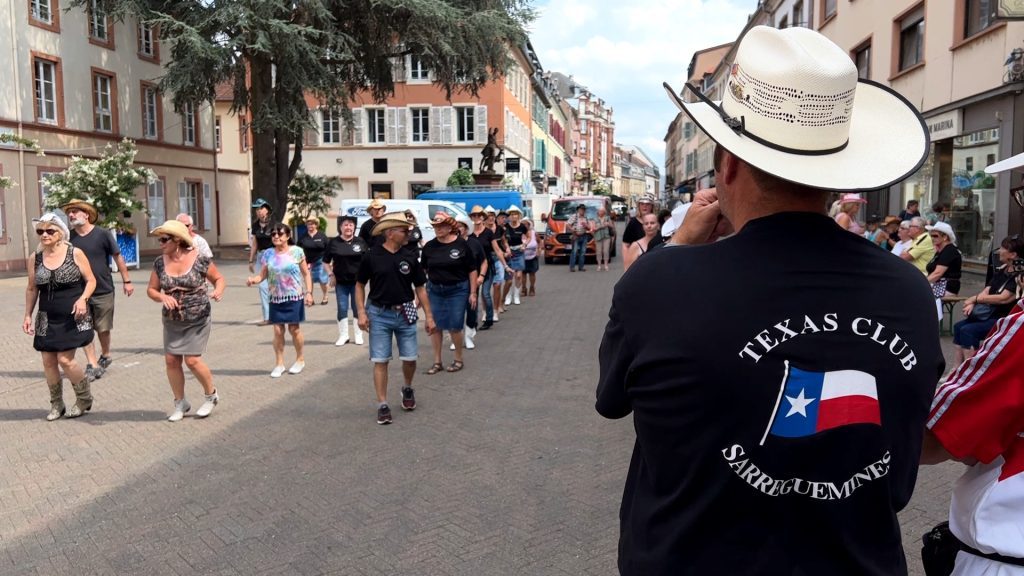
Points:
46	231
278	233
164	239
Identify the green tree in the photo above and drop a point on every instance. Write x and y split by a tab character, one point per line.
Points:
461	177
309	195
8	138
275	52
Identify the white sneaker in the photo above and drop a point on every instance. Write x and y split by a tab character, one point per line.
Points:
469	341
495	316
180	407
207	407
515	296
297	367
508	299
452	347
359	336
276	373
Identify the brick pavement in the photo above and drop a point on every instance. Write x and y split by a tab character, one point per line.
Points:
504	469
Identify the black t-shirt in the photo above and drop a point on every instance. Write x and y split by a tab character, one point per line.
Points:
413	244
478	251
391	276
447	263
344	258
736	469
950	258
515	235
366	233
499	235
313	246
261	232
485	238
99	247
634	231
1002	281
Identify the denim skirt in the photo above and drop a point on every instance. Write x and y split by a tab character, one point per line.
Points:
290	312
448	304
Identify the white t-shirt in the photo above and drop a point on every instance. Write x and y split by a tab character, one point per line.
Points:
200	243
900	247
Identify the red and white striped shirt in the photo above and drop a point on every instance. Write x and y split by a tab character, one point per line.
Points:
978	412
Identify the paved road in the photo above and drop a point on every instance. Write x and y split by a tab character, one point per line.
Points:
504	469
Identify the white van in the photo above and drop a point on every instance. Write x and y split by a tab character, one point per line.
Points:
535	206
423	209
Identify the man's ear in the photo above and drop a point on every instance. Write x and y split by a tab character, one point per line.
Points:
728	167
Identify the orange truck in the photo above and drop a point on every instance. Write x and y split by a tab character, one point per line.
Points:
558	242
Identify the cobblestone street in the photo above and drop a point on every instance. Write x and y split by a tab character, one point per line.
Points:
505	467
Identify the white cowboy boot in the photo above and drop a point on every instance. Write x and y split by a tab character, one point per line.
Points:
343	332
358	333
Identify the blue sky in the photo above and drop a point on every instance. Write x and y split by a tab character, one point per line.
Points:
623	51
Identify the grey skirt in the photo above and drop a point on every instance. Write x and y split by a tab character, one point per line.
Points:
186	338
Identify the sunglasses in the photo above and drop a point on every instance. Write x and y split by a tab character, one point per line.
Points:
45	231
278	233
934	235
164	239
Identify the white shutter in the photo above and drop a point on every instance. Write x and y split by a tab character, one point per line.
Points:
391	125
446	124
357	124
182	200
207	207
155	204
401	125
435	125
481	124
398	69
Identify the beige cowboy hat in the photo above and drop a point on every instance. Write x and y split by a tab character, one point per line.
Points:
376	204
478	209
514	208
175	230
84	207
391	220
794	108
490	210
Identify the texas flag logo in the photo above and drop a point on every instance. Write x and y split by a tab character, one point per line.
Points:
812	402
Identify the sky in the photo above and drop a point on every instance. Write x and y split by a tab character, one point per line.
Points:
623	51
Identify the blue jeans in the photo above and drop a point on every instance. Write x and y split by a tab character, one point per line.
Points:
264	287
487	294
385	322
346	295
579	251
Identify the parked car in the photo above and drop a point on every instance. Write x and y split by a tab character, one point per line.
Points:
619	210
558	242
423	209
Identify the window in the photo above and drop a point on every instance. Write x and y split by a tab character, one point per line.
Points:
978	15
243	134
911	39
99	26
216	133
465	125
380	165
417	71
828	9
419	165
188	124
45	14
330	126
784	23
103	102
417	188
862	58
45	80
150	112
380	190
375	125
147	40
990	159
798	14
583	126
189	196
969	163
420	124
466	163
155	204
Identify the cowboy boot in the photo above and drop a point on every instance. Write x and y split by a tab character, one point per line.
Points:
84	399
56	400
342	332
357	332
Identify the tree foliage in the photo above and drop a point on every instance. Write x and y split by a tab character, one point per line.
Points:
7	138
461	177
275	52
309	194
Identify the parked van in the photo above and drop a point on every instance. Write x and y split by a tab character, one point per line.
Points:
498	199
423	209
558	242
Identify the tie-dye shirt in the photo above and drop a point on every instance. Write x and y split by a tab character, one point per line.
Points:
284	276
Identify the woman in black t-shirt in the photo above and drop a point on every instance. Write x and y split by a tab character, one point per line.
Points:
313	244
451	270
344	254
982	311
945	266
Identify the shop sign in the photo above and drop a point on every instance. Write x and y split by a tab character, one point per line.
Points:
1010	10
944	125
511	165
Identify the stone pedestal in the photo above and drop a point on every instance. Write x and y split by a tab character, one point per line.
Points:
488	178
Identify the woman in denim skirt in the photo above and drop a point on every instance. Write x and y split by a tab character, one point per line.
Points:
451	270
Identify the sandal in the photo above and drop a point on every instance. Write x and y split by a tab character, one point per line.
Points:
455	367
437	367
323	302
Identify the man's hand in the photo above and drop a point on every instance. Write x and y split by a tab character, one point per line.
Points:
128	289
363	321
704	222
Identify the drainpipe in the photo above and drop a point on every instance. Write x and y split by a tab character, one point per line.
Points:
216	170
21	149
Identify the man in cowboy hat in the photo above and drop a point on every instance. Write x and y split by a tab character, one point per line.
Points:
388	310
376	209
635	228
779	411
99	247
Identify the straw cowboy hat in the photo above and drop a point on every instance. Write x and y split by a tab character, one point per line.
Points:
794	108
376	205
514	208
84	207
478	209
391	220
175	230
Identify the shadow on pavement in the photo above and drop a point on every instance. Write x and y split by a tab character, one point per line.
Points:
97	417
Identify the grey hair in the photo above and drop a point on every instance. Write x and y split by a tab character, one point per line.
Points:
184	219
918	221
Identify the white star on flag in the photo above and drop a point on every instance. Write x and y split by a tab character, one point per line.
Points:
799	404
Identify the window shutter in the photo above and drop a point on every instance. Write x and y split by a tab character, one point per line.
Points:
207	207
481	124
401	125
435	125
391	125
446	124
398	69
182	200
357	124
311	135
155	203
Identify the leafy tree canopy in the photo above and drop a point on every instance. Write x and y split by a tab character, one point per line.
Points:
274	52
461	177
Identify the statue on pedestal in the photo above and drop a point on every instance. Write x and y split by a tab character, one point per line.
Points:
491	153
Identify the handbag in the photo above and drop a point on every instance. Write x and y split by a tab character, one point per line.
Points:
981	312
409	312
939	288
938	551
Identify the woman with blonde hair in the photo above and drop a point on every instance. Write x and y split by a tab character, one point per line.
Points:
849	206
61	281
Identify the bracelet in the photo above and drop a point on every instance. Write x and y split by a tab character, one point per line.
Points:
126	281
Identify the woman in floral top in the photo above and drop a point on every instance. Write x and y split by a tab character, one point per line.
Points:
178	282
291	287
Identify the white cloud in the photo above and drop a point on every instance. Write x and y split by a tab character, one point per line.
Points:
623	51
